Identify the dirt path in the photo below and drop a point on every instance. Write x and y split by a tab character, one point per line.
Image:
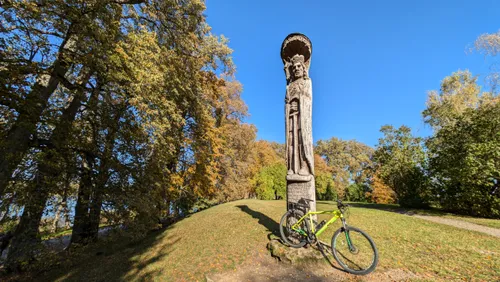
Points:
461	224
265	268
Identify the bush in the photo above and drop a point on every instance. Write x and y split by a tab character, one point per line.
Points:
271	182
355	193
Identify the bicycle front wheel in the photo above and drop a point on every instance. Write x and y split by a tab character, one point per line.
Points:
354	250
293	238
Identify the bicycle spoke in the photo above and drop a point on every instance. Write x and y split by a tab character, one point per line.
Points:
354	251
350	261
292	236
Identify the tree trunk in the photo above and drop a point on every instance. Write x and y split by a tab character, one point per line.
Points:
86	226
95	216
17	141
26	235
81	225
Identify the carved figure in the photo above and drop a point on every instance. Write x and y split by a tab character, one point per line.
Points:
298	113
296	53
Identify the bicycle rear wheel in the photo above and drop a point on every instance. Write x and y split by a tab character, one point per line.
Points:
293	238
354	250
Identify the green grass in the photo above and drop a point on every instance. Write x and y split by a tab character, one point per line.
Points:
223	237
494	223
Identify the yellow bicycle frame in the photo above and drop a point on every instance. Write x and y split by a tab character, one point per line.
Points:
336	215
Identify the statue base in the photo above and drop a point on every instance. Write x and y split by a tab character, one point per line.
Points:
298	190
299	178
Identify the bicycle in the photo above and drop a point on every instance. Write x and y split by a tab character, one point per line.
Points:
355	250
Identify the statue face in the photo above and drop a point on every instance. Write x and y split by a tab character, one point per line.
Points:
298	70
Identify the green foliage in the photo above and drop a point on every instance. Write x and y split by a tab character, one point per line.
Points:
400	158
324	187
355	193
271	182
348	161
323	180
131	107
458	92
465	162
464	148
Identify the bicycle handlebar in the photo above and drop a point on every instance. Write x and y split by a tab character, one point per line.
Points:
341	205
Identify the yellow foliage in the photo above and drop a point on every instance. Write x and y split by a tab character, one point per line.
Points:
381	193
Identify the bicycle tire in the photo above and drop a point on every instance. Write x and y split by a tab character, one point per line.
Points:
290	237
364	263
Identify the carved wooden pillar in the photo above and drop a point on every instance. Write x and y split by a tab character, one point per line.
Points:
296	53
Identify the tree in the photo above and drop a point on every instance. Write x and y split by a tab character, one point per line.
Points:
380	192
455	113
271	182
355	193
267	153
458	92
47	47
400	159
236	160
349	162
323	180
120	97
465	162
489	44
65	69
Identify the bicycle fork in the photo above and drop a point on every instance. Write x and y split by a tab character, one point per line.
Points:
347	237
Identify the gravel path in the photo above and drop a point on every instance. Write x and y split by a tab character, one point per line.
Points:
461	224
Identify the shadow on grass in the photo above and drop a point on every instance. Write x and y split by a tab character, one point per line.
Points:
273	227
118	260
326	251
269	223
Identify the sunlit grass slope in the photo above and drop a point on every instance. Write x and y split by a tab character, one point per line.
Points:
223	237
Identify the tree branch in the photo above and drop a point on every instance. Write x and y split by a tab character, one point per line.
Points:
129	2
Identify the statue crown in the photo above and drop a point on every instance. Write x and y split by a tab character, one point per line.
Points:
297	59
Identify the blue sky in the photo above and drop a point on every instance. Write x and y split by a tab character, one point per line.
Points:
372	64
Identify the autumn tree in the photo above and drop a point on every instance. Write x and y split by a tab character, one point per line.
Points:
122	98
400	159
267	153
323	180
349	162
236	157
380	192
52	63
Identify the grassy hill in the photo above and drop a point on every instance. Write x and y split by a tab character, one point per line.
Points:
227	236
